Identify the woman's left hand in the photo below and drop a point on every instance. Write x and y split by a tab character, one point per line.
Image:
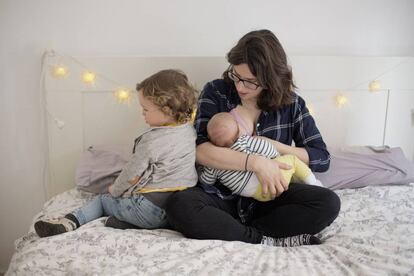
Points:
269	175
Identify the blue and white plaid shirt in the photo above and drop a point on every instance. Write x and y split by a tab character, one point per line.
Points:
290	123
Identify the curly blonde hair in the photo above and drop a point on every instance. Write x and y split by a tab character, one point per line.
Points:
170	88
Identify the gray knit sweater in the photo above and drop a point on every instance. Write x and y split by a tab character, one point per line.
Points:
164	159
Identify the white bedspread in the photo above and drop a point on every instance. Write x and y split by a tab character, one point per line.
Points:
373	235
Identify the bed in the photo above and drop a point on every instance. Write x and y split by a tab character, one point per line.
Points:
373	234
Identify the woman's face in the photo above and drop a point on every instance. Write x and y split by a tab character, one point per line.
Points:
243	77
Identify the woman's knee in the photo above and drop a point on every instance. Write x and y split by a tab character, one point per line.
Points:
332	205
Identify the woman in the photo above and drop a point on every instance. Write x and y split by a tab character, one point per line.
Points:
260	80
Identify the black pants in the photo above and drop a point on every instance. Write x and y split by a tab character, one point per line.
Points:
302	209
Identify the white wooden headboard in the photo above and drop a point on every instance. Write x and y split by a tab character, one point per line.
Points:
92	116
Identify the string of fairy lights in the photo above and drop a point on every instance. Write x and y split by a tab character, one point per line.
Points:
60	70
374	85
341	99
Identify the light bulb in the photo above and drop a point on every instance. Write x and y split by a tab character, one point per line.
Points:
123	95
341	100
60	71
88	77
374	86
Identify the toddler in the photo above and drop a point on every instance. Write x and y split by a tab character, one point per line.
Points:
163	161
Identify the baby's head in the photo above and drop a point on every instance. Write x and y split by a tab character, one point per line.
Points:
223	130
167	97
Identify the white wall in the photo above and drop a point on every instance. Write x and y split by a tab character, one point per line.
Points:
153	28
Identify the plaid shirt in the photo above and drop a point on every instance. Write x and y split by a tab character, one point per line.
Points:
290	123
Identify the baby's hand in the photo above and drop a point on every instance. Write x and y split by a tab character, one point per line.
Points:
110	188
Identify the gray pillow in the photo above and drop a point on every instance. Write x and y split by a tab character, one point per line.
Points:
99	166
356	167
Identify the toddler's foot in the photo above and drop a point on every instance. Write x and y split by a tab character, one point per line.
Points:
51	227
119	224
303	239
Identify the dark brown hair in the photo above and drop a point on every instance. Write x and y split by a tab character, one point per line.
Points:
263	53
170	88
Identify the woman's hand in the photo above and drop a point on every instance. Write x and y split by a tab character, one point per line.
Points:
269	175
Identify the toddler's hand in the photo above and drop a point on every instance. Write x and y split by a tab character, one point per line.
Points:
134	180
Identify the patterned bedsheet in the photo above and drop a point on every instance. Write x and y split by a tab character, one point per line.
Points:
373	235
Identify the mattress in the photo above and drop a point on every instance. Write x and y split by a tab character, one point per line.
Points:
373	235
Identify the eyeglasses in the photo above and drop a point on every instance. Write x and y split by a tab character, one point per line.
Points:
248	84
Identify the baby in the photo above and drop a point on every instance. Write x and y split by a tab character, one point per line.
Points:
224	131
